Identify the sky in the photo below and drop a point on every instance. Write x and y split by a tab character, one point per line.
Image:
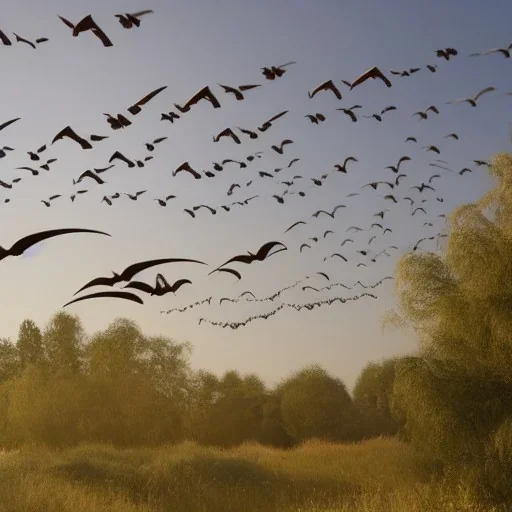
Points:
186	45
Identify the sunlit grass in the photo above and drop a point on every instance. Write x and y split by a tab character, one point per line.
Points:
378	475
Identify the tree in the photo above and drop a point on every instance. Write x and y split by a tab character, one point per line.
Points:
372	394
30	343
314	404
63	340
9	360
456	397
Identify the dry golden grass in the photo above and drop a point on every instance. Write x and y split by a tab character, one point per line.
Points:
375	476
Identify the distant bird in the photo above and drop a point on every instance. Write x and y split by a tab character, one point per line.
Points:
349	112
8	123
130	20
432	68
452	136
89	174
381	213
343	168
135	196
264	174
275	71
434	149
88	24
295	224
131	271
232	188
374	73
267	124
398	178
330	214
504	51
185	166
163	202
228	132
480	163
71	134
418	209
415	248
405	72
117	122
461	172
252	135
212	210
150	146
347	240
3	150
395	168
34	172
375	184
433	177
316	118
34	155
162	287
391	197
25	243
472	101
237	91
279	149
242	165
326	86
190	212
171	116
30	43
424	115
50	199
446	53
422	187
338	255
262	254
304	246
119	156
114	294
231	271
204	94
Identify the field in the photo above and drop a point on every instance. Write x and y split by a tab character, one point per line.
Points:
378	475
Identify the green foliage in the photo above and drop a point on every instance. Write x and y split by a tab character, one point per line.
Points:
456	398
30	344
314	404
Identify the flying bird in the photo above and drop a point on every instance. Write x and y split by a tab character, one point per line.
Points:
185	166
71	134
171	116
130	272
130	20
117	122
162	287
422	187
374	73
8	123
238	91
472	101
88	24
446	53
89	174
204	94
295	224
326	86
275	71
424	114
279	149
316	118
111	294
267	124
228	132
18	248
395	168
261	254
405	72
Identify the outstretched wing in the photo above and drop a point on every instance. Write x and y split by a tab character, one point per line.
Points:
116	295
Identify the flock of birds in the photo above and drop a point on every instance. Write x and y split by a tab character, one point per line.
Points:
418	196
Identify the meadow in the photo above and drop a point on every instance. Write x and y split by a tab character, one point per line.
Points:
378	475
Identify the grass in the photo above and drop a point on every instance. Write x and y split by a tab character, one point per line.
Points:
374	476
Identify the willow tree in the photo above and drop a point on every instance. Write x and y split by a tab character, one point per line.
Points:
456	397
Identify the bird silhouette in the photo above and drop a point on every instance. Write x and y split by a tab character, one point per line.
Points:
171	116
150	146
228	132
325	86
374	73
472	101
163	202
273	72
185	166
89	174
294	225
446	53
130	272
117	122
343	168
130	20
405	72
162	287
204	94
504	51
135	196
88	24
267	124
316	118
422	187
19	247
238	91
396	168
424	114
279	149
110	294
71	134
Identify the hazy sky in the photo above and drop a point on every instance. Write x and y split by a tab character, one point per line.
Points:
187	44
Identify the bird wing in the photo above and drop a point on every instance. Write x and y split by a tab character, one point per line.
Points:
24	243
7	123
141	13
178	284
139	285
295	224
150	96
483	91
263	251
67	22
230	271
114	294
131	271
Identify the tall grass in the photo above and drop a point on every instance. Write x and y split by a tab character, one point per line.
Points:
374	476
